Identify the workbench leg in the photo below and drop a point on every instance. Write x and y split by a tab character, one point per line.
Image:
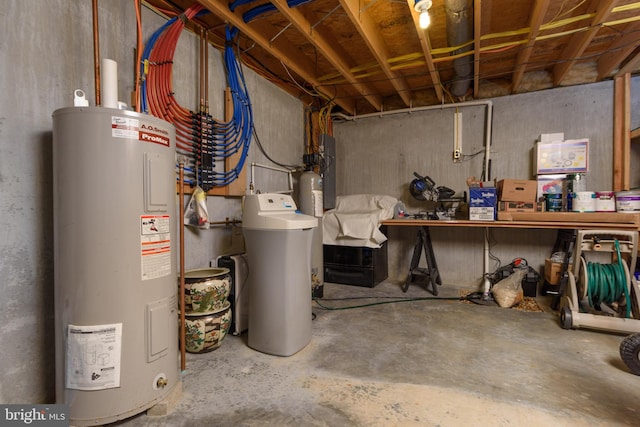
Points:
415	259
568	248
423	243
432	265
564	243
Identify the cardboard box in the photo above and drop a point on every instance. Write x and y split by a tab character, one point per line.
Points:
520	206
485	197
551	137
482	214
517	190
552	271
570	156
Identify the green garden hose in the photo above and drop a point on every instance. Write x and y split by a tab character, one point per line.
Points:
607	283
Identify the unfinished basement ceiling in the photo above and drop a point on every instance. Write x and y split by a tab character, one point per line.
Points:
371	55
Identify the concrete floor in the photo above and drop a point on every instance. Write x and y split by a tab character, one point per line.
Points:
422	363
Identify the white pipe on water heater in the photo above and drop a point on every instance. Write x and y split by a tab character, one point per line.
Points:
109	83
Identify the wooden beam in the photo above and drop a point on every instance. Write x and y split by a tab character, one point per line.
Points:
537	15
371	36
630	66
425	43
221	9
477	34
621	132
619	50
579	41
314	37
239	186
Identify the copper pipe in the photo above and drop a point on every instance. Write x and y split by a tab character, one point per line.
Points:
201	76
138	6
206	71
183	362
227	221
96	51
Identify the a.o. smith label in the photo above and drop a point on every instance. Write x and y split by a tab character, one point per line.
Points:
131	128
150	133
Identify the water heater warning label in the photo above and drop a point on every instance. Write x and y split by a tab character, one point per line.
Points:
124	127
129	128
93	356
155	246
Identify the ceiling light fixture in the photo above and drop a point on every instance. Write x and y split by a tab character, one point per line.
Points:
422	7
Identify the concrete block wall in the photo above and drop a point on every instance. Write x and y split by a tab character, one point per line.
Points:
391	147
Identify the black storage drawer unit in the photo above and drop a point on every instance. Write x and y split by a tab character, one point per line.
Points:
359	266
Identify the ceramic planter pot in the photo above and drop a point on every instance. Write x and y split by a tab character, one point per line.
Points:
206	290
205	332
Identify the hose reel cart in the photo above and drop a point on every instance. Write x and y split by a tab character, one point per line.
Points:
603	296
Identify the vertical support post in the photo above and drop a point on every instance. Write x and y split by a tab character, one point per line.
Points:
621	132
183	362
237	187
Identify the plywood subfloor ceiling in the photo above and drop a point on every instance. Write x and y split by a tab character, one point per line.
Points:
367	56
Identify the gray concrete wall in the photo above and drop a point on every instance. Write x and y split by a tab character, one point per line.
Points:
46	51
391	147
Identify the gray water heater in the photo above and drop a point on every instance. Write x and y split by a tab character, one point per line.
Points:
116	311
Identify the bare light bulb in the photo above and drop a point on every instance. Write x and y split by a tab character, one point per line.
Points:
424	19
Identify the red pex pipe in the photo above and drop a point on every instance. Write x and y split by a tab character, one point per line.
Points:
161	99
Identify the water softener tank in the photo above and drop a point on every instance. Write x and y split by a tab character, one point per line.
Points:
311	203
116	317
278	240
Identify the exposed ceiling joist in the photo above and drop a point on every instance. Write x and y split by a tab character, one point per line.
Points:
222	10
317	39
477	33
368	31
579	41
425	44
537	16
631	65
619	50
366	56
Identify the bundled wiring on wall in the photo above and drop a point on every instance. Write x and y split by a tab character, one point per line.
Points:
318	125
205	141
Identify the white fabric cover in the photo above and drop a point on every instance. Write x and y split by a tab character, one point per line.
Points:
356	220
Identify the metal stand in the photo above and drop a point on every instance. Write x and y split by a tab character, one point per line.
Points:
431	273
564	242
575	310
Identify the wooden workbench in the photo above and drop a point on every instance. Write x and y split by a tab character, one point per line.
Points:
522	220
552	220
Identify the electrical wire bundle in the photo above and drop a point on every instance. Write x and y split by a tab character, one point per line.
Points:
202	139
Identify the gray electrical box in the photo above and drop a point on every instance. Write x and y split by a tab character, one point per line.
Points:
328	147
